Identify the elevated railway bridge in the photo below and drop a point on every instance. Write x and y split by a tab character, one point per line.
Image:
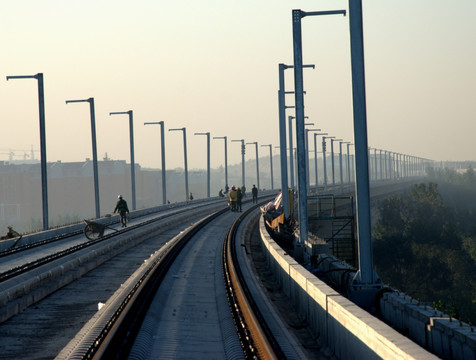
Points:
195	280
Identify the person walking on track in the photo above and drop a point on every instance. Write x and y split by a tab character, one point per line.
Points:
232	196
239	196
122	209
254	191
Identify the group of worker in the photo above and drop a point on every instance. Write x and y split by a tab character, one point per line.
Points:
236	194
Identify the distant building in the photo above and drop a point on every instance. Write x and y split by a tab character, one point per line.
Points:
71	189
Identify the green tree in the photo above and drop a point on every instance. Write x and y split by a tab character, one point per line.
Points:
419	249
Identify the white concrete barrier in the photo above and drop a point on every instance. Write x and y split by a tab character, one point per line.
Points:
344	328
436	331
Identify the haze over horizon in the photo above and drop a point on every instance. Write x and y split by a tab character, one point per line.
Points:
213	66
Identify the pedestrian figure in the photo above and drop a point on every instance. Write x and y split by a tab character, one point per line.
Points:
239	196
254	191
122	209
190	196
232	197
220	193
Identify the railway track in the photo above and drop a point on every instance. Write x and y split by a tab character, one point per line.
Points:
68	243
78	303
186	302
166	297
35	271
158	214
254	333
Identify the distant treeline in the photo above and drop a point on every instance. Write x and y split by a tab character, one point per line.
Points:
425	242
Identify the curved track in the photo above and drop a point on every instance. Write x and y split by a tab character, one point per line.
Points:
52	280
177	306
25	258
255	336
172	302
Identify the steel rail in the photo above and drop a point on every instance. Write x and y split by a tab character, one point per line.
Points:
256	338
113	333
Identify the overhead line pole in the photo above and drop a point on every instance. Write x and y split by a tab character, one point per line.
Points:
348	163
306	137
257	161
282	140
270	163
184	130
44	165
207	134
131	140
226	158
297	15
366	278
291	151
243	151
333	160
162	153
95	153
340	162
315	160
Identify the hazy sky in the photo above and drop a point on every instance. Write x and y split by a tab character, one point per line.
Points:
212	65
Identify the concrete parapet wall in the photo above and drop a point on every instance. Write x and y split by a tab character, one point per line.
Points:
451	339
427	327
338	324
445	337
432	330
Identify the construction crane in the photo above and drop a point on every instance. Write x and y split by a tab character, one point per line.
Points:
11	153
